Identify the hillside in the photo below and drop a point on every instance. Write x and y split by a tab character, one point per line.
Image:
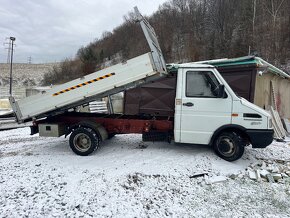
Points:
192	30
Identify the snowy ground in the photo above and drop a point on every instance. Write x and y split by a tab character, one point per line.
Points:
42	177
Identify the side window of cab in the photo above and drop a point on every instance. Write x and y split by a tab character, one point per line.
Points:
201	84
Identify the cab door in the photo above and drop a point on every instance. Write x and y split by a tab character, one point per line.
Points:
201	110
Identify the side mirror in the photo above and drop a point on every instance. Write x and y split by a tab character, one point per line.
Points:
221	91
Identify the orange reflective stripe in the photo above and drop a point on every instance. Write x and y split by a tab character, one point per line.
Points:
83	84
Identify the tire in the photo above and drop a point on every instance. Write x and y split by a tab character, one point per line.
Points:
83	141
229	146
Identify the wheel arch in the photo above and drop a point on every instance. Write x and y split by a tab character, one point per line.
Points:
230	128
96	127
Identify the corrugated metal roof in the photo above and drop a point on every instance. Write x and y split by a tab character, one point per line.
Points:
272	68
247	60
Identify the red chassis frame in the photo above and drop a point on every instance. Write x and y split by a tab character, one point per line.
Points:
114	124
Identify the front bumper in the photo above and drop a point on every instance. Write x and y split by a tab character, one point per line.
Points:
260	138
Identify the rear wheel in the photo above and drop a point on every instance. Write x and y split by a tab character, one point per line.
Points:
83	141
229	145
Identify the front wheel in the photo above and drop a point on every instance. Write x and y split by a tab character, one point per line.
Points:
83	141
229	146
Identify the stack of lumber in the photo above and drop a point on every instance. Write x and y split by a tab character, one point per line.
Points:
98	107
286	123
279	131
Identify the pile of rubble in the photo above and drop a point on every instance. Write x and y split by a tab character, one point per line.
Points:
272	171
268	171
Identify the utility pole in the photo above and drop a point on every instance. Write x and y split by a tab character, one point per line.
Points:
9	49
12	39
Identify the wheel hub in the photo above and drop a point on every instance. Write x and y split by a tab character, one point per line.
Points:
226	146
82	142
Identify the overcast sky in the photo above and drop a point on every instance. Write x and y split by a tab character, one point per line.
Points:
51	30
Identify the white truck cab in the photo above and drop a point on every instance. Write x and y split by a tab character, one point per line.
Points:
207	111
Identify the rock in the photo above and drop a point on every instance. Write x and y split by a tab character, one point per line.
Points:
252	175
258	175
269	167
196	175
240	176
284	175
264	179
263	166
233	176
270	178
287	181
276	176
288	173
283	169
216	179
264	173
255	165
275	169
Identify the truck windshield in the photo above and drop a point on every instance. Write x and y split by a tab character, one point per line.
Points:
201	84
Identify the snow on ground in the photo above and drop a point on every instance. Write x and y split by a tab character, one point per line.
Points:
42	177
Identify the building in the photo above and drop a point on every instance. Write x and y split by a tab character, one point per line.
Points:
257	81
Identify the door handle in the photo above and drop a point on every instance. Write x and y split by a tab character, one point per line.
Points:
188	104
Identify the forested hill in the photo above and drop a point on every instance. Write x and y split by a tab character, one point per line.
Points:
192	30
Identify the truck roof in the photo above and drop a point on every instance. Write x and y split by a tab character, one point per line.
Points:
174	67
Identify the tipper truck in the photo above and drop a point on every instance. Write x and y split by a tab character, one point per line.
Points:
206	111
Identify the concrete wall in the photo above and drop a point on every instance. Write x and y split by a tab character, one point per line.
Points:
17	91
282	93
4	104
24	76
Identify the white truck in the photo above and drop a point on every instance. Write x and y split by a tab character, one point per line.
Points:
207	111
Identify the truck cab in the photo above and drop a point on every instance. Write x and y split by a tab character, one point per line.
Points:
208	112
